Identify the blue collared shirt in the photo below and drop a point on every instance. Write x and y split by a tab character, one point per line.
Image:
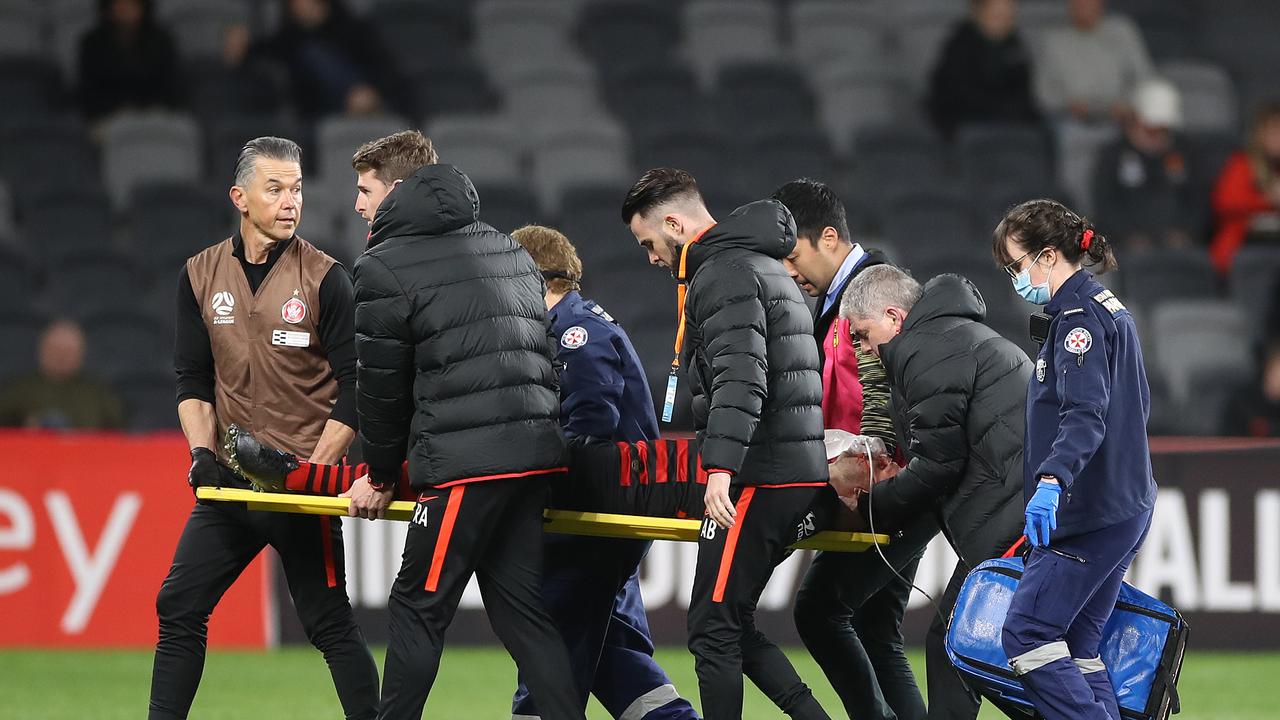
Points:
846	269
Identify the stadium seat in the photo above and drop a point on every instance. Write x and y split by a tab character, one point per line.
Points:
1211	387
226	135
836	34
702	152
92	284
122	342
1037	17
20	335
507	206
199	26
422	35
579	156
643	96
552	97
593	224
1255	280
1198	336
1078	145
851	99
485	147
929	222
68	21
58	226
338	137
919	40
892	159
1155	277
32	84
150	402
170	223
1208	97
145	147
19	282
459	89
213	92
510	32
769	159
43	153
756	97
1004	153
727	32
627	32
21	28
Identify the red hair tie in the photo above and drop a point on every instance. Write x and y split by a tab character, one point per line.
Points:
1086	239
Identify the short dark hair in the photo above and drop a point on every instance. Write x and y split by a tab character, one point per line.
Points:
274	148
1038	224
396	156
658	186
815	206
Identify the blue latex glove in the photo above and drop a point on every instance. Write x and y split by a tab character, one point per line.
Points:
1042	513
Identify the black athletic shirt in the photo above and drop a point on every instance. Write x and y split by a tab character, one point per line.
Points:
193	354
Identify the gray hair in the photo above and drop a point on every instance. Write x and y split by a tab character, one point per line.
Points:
274	148
877	288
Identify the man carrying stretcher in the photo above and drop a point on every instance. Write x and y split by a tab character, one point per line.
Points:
590	585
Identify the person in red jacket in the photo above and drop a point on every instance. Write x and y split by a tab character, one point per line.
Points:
1246	197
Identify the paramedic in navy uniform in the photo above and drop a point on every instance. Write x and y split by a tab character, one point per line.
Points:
591	586
1088	468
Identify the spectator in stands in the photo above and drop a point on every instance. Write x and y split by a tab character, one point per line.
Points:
59	395
127	61
335	61
1088	70
1254	409
984	72
1143	185
1246	199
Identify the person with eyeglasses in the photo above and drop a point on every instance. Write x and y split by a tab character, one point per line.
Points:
1087	480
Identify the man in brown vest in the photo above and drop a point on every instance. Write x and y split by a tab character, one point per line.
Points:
265	340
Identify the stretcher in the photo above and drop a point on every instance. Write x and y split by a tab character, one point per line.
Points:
569	522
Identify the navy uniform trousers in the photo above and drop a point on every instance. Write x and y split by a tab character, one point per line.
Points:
1057	615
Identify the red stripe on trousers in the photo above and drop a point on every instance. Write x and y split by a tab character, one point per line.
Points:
326	542
660	461
624	464
442	540
731	544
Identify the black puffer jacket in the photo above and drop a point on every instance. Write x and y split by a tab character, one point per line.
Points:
959	398
751	357
454	365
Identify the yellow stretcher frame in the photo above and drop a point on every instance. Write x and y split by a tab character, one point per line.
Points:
560	521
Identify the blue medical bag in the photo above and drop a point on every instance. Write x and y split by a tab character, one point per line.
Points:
1142	645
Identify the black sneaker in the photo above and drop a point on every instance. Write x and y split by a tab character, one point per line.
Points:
264	467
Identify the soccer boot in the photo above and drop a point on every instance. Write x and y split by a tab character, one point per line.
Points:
264	467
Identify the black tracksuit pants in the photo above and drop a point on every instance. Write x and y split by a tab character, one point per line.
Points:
494	530
217	544
733	566
849	614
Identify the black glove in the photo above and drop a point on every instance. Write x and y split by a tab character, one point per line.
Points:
206	471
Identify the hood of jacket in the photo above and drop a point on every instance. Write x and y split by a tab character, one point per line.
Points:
947	295
435	200
764	226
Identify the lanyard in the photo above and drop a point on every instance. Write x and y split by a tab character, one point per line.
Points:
682	290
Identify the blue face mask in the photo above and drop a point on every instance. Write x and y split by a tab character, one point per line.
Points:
1034	294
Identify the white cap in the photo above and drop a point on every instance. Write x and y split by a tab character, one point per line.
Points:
1157	103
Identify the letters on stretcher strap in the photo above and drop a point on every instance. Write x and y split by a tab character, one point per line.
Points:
559	521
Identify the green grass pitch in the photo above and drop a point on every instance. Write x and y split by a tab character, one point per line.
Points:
475	683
